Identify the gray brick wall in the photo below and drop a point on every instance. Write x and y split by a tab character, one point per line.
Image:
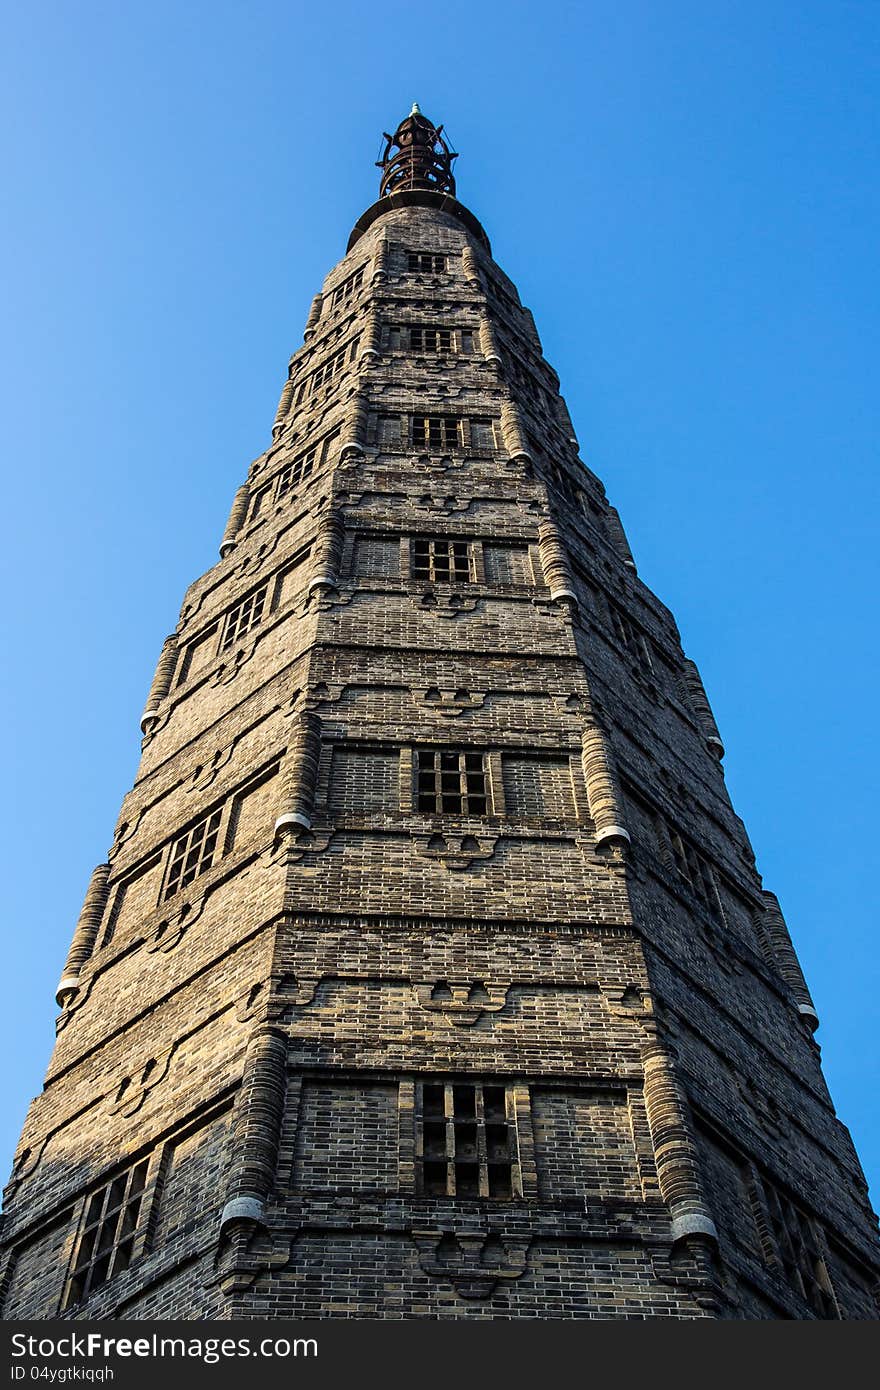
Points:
260	1034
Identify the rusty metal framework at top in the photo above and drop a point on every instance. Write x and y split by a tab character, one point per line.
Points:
423	159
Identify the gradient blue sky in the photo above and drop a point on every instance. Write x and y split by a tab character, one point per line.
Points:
685	193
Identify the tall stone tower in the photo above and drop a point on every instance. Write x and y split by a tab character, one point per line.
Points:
430	973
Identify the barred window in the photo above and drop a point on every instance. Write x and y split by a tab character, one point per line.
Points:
293	473
631	637
502	294
425	263
425	338
301	467
344	292
793	1244
327	370
691	867
193	853
436	431
525	377
429	338
440	560
106	1242
451	780
244	616
466	1143
560	479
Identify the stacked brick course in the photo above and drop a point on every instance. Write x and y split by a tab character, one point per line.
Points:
431	804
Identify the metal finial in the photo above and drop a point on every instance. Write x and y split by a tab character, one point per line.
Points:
416	156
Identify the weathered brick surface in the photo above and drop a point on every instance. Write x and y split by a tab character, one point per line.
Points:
593	938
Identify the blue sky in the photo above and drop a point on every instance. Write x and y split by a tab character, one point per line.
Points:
686	195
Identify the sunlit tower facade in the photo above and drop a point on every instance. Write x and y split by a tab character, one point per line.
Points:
430	973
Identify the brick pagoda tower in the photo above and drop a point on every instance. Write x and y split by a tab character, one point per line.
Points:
430	973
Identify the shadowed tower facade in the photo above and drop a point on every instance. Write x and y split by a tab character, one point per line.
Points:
430	973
